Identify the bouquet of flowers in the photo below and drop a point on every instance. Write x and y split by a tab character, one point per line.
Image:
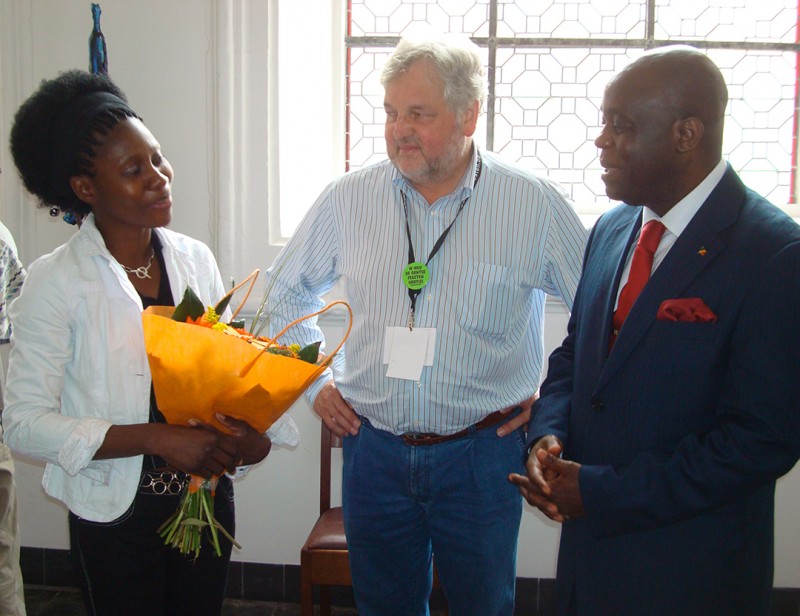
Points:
202	366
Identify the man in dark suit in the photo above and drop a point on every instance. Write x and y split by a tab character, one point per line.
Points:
658	436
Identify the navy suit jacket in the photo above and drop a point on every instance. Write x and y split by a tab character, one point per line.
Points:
683	428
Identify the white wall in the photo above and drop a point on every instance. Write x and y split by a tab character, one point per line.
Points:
165	56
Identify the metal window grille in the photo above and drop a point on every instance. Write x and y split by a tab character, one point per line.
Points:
549	60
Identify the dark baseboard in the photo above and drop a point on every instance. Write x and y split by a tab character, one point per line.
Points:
281	583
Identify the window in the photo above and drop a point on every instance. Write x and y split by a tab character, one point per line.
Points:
549	60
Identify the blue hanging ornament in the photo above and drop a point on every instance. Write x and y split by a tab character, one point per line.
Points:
98	54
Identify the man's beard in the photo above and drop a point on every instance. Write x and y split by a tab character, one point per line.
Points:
433	170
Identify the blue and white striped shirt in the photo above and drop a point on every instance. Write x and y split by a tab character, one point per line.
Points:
12	275
517	239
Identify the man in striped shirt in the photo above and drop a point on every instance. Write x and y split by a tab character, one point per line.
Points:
12	598
445	254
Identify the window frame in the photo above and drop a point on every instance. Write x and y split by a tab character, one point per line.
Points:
492	43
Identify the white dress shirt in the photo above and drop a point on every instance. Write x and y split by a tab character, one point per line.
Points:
675	221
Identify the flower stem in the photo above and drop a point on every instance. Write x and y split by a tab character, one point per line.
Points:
183	530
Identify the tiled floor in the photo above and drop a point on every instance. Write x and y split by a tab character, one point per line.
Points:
45	601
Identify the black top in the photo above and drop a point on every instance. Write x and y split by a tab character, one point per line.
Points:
164	299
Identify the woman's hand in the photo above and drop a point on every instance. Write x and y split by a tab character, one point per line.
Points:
253	446
200	450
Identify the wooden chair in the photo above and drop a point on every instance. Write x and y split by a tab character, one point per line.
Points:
323	558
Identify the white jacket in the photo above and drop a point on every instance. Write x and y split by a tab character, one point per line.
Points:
78	364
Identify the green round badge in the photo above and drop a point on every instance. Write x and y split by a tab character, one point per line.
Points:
415	275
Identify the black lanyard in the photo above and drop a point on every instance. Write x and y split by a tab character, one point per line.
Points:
413	293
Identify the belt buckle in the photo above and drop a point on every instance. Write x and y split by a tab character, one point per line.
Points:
162	482
417	438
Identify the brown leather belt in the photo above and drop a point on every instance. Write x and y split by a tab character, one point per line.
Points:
428	438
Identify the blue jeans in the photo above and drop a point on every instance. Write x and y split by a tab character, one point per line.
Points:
404	503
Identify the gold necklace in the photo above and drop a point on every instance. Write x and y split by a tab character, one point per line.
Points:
144	271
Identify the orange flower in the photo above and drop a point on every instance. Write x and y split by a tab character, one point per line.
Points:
201	320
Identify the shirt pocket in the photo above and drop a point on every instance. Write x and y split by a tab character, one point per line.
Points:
488	296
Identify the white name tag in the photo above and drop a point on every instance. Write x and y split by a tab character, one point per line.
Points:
407	351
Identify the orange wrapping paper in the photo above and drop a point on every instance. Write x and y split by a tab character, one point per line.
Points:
198	372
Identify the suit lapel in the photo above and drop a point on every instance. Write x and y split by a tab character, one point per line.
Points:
606	251
697	247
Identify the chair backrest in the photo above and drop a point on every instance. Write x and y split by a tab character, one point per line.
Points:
328	441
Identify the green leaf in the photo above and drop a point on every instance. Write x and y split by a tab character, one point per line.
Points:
194	522
222	305
236	323
310	353
190	306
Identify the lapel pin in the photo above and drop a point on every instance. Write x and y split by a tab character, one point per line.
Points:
702	252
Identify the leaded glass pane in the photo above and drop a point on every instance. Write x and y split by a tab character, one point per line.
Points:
552	59
773	21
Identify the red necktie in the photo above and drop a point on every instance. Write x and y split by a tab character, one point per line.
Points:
641	265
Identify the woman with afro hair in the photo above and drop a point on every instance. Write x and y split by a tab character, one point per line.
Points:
79	393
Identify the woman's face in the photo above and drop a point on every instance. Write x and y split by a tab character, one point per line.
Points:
132	181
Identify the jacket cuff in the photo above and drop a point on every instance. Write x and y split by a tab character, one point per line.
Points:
82	444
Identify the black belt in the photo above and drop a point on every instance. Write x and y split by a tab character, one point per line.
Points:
428	438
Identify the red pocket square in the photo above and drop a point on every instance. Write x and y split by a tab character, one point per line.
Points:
686	310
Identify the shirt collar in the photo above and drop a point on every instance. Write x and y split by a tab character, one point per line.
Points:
681	214
93	243
90	238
